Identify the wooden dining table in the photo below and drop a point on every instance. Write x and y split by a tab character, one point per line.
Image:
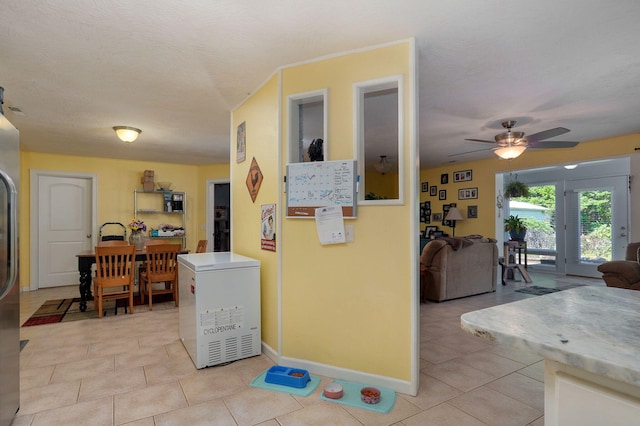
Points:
86	259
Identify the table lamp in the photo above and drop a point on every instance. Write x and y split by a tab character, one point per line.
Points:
452	216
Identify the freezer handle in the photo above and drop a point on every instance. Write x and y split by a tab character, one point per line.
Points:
11	240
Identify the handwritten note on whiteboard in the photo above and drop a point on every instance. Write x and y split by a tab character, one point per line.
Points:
321	184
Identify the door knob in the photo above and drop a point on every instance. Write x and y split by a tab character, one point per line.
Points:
89	236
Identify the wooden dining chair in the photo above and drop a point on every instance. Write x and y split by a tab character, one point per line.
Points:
114	274
111	243
142	266
162	267
202	246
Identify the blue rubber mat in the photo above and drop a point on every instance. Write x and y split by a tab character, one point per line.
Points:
351	397
259	382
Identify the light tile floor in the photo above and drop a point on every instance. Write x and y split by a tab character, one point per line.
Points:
133	369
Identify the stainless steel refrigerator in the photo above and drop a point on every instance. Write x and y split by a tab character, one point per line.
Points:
9	287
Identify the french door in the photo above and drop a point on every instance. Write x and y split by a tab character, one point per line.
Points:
597	223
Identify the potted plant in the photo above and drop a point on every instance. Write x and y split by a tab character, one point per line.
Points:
515	189
515	227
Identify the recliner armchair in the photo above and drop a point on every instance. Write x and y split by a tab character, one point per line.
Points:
457	267
623	273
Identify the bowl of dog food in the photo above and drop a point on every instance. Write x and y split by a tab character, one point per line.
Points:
370	395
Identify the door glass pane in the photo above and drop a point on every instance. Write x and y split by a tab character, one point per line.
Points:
594	227
538	212
4	234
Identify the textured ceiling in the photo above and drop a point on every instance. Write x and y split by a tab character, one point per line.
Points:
76	68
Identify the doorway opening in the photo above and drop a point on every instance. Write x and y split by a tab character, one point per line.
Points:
576	218
219	215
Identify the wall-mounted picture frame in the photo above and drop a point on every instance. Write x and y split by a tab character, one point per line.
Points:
241	142
425	186
463	176
467	193
425	212
433	191
437	217
442	195
444	178
472	212
428	230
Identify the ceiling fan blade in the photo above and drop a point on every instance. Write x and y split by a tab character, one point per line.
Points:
546	134
480	140
552	144
470	152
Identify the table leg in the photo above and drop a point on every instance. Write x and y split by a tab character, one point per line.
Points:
85	284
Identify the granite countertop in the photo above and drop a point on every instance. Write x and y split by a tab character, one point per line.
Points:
593	328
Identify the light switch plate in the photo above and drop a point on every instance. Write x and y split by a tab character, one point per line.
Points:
348	233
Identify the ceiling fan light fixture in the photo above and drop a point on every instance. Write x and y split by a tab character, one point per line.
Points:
127	134
509	137
383	166
510	152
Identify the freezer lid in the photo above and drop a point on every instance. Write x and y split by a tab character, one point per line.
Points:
214	261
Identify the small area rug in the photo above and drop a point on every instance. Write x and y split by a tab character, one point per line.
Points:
259	382
64	310
351	397
537	290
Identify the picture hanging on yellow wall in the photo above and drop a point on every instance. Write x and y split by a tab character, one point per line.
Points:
268	227
254	179
241	143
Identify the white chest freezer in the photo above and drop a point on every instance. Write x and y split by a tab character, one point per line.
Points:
219	307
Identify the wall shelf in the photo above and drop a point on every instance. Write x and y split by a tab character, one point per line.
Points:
161	207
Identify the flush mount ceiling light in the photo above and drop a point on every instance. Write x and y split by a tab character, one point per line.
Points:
383	166
570	166
127	134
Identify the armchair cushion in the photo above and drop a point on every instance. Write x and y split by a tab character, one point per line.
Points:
623	273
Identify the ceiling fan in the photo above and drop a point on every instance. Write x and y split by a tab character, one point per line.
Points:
511	144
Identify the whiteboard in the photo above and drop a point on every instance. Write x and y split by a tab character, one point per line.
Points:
320	184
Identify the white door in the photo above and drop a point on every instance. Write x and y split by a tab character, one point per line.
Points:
597	223
64	228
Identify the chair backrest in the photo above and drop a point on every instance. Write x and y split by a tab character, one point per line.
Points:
114	264
202	246
112	243
633	251
162	261
154	242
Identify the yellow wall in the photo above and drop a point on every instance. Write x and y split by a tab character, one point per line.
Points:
260	113
348	305
385	185
116	180
484	179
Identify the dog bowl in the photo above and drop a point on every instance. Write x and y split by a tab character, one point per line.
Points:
333	391
370	395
